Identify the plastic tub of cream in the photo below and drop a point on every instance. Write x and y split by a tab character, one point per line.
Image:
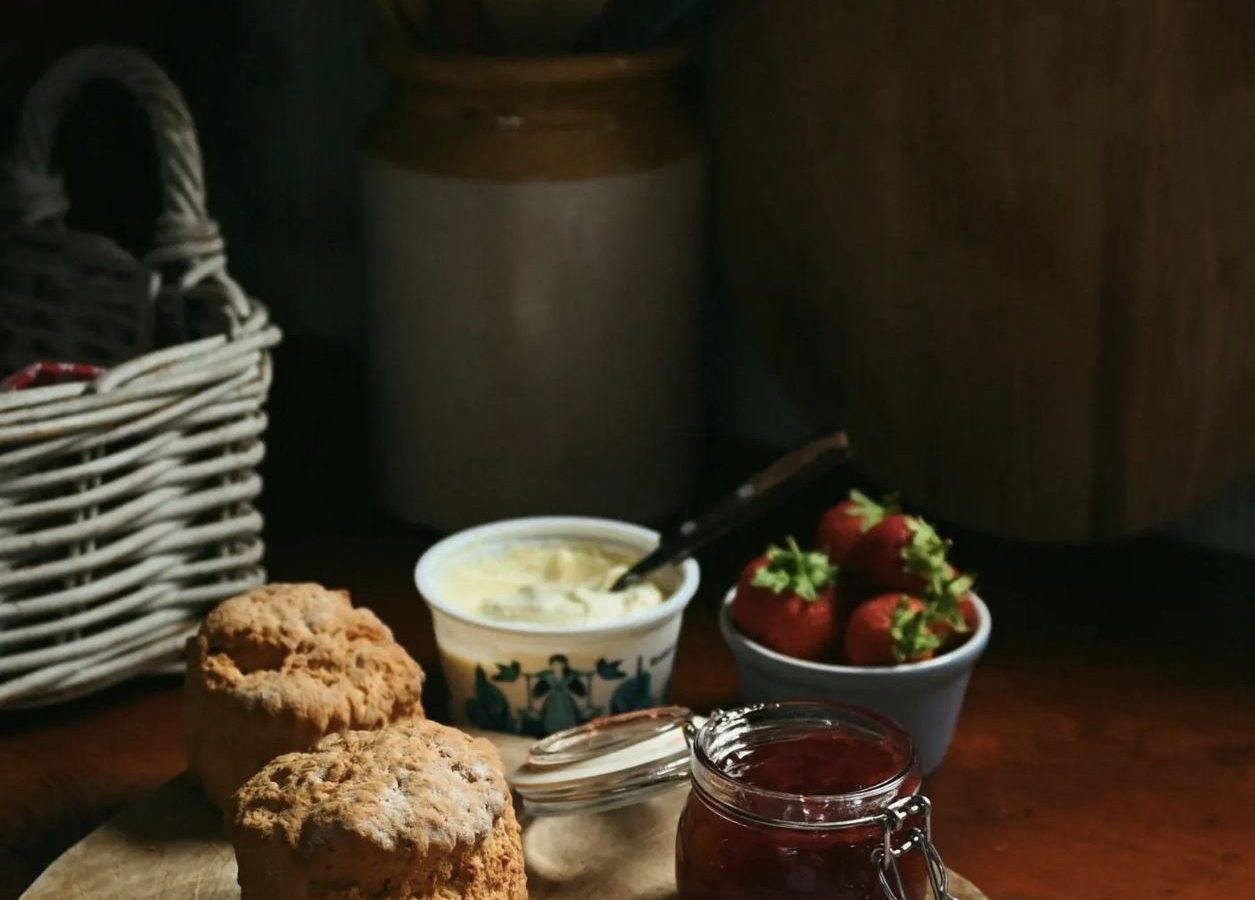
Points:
531	641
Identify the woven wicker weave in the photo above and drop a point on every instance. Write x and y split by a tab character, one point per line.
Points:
125	502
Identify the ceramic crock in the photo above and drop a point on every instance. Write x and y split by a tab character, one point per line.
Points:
534	240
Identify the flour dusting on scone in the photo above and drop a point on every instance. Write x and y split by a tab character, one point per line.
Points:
278	668
415	810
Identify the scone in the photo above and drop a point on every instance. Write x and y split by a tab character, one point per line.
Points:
413	811
278	668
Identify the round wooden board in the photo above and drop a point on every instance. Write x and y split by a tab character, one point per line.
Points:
169	846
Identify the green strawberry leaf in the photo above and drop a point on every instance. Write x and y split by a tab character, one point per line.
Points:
773	579
961	585
910	631
941	600
925	553
868	510
791	570
871	512
953	618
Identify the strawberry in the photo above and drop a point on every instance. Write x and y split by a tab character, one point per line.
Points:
841	527
889	629
786	599
900	553
952	614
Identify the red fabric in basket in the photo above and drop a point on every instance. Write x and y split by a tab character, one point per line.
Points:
42	374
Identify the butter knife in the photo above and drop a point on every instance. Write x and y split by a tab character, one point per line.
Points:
788	473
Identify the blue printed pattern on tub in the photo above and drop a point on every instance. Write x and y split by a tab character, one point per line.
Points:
562	697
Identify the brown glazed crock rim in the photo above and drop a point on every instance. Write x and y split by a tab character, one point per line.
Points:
483	71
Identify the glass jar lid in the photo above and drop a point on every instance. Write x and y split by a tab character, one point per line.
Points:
608	762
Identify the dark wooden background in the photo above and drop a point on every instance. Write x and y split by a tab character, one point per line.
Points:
1008	245
1007	248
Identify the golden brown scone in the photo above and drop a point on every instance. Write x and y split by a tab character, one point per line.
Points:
413	811
276	669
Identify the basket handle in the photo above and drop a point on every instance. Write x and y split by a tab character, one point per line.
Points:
184	232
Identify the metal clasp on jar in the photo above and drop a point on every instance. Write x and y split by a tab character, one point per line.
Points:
886	857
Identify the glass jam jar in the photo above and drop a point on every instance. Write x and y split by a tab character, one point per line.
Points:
805	799
787	800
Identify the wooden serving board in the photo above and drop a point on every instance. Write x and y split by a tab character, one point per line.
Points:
169	846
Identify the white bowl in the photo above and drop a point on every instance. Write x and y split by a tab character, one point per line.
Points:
925	697
534	679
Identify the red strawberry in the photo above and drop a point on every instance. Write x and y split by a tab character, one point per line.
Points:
953	615
889	629
900	553
952	637
841	527
971	615
786	599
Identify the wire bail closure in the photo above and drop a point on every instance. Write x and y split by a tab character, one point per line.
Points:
886	857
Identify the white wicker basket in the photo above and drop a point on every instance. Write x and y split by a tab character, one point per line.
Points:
125	502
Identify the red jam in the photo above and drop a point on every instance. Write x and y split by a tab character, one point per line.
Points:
816	762
773	787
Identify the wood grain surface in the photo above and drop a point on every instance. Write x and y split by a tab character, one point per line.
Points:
1106	750
169	846
1006	246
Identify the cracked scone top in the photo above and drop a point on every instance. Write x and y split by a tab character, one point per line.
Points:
414	810
276	669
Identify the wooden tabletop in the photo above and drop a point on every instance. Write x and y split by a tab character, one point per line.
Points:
1107	748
